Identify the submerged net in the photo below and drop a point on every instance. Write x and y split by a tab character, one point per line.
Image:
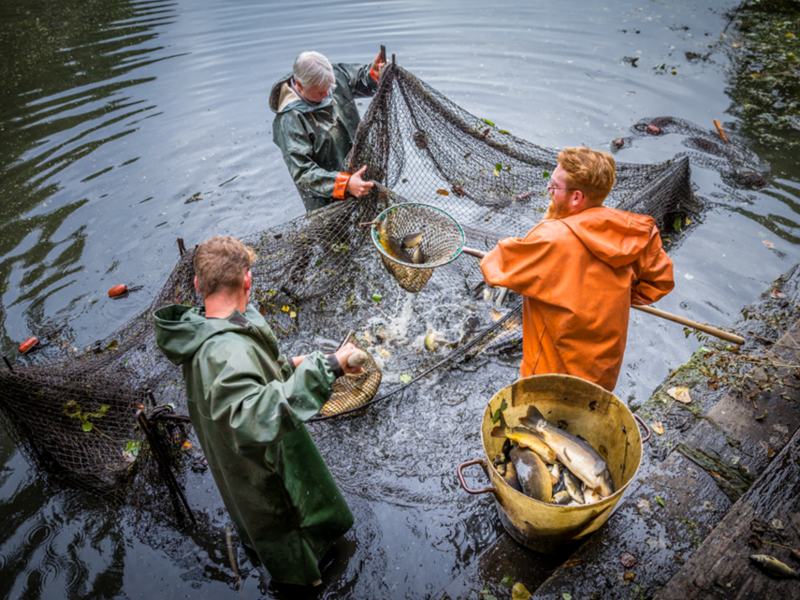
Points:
319	276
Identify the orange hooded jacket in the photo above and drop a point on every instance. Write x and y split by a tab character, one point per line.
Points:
579	276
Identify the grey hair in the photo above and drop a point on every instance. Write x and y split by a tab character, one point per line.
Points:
312	69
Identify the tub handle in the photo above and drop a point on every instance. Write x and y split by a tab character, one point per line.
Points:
646	428
464	483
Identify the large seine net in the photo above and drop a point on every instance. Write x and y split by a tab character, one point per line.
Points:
316	274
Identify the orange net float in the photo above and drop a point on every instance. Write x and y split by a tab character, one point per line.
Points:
118	290
654	129
28	344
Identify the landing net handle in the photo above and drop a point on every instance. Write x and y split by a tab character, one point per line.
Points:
443	241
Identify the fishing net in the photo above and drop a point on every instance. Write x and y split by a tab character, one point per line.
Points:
318	276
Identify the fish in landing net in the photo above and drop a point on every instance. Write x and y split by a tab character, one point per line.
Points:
526	438
578	456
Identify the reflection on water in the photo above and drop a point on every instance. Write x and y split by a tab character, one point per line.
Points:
125	125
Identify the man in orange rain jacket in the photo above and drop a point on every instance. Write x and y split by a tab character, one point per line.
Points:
579	270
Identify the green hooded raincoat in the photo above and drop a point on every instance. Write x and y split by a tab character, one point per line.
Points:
316	138
247	405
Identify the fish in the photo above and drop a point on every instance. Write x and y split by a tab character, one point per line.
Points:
395	249
562	498
412	239
573	485
590	496
577	456
383	227
532	474
511	478
526	438
418	257
555	473
773	566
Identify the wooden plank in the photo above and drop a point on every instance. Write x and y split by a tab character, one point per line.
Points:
769	511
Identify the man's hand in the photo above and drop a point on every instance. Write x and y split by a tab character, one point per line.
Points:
378	65
343	353
356	186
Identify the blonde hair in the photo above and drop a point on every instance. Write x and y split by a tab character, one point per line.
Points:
221	264
591	171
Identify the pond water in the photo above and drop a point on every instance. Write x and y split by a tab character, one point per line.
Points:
126	125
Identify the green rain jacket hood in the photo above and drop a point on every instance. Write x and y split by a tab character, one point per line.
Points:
316	138
247	406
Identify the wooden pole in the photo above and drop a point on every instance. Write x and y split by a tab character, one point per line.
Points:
724	335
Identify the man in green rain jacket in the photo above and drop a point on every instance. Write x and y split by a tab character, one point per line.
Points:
315	125
247	404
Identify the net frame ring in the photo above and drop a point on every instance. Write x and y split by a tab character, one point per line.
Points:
410	217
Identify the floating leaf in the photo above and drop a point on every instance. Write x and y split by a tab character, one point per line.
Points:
503	131
776	294
658	427
486	132
628	560
519	592
566	596
768	244
466	156
285	308
443	192
643	504
496	172
660	500
133	447
708	505
499	166
405	378
377	297
488	122
87	427
186	445
628	576
681	394
508	581
545	174
292	315
776	523
113	345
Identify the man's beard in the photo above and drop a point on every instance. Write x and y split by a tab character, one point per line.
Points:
555	211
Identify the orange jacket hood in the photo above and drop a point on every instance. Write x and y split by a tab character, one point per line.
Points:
618	239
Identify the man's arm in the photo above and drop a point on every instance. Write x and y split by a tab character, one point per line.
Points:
652	272
252	411
297	149
362	79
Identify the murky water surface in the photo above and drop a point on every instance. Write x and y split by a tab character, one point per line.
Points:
125	125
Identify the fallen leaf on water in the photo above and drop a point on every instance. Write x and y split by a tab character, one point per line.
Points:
658	427
566	596
488	122
186	445
776	523
443	192
681	394
768	244
628	560
520	592
496	172
405	378
770	452
708	505
778	294
678	558
377	297
660	500
643	504
572	562
628	576
754	541
508	581
285	308
292	315
756	75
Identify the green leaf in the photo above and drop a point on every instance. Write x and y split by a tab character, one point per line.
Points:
466	156
377	297
677	225
113	345
508	581
499	411
660	500
499	166
87	427
171	405
405	378
503	131
566	596
545	174
488	122
133	447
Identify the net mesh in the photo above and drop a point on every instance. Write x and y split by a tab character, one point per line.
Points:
421	148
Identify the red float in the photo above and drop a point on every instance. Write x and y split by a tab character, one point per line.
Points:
117	290
28	344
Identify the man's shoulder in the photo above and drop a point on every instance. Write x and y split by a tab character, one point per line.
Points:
548	230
